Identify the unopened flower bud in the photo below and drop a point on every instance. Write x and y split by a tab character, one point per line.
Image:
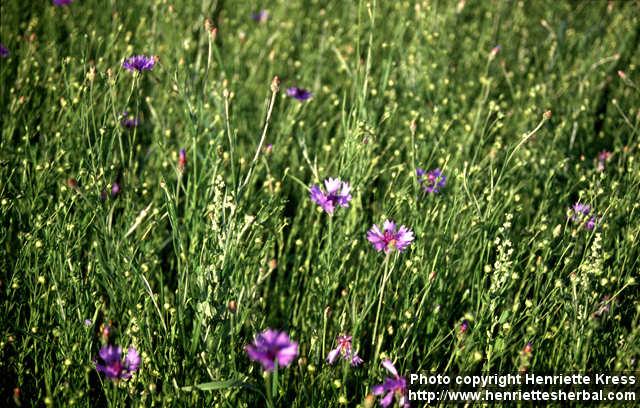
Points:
464	326
182	159
494	51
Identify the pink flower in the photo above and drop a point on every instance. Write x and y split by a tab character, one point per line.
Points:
337	194
389	237
111	365
344	349
396	386
272	346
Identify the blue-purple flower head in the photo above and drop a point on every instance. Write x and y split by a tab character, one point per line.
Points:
129	121
431	181
271	347
581	213
336	193
60	3
300	94
260	16
390	237
111	364
139	63
395	386
4	51
344	350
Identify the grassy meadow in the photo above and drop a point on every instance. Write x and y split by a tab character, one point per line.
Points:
525	258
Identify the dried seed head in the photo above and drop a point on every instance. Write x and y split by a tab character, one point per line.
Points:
275	84
91	75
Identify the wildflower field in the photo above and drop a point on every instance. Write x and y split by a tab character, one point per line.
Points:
299	203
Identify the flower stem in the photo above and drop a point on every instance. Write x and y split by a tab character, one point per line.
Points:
269	386
385	277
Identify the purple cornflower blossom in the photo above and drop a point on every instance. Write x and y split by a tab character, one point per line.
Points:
344	349
580	214
260	16
88	322
579	211
396	386
61	3
300	94
390	237
129	121
603	157
272	346
139	63
4	51
111	365
337	193
431	181
115	189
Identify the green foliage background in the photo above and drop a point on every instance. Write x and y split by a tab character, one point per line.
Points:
396	85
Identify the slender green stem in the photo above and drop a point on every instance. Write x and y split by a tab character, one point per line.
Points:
269	389
385	277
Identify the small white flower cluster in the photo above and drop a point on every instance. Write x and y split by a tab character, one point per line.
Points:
503	265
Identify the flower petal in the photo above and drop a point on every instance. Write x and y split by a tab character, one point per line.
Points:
390	368
333	355
287	355
389	226
387	400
